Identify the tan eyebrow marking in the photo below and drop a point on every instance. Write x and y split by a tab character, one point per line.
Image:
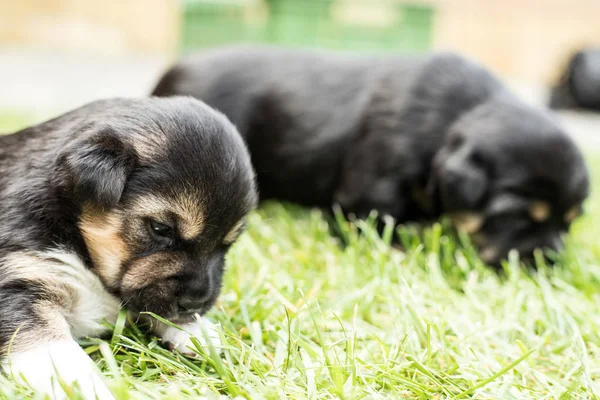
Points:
572	214
189	212
468	222
539	211
233	234
191	217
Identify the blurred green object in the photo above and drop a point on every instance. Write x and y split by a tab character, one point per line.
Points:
12	121
336	24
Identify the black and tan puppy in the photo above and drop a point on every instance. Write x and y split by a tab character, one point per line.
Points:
120	202
412	137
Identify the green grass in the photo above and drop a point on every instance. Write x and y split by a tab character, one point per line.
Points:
303	317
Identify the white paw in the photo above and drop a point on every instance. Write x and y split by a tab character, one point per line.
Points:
45	367
180	339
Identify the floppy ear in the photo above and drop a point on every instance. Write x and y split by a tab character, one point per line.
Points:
94	169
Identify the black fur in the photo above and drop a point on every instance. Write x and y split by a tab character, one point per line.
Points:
51	172
579	85
96	168
410	136
19	299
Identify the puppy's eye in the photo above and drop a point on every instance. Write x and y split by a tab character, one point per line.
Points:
161	230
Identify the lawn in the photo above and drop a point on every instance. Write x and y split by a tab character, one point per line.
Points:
302	317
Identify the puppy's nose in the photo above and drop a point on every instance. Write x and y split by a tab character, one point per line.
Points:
552	242
195	295
190	303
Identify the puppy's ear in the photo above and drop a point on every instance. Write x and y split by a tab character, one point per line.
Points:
95	168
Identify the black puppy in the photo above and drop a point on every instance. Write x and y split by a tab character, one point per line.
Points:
131	202
579	86
412	137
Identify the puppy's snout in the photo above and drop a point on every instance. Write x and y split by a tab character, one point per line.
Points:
187	304
552	241
495	245
195	295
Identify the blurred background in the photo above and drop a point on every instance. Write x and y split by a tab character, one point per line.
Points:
58	54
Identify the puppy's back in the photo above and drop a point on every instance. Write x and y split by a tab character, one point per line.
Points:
236	80
299	111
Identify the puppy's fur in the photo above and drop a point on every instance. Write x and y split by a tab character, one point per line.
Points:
120	202
579	85
411	136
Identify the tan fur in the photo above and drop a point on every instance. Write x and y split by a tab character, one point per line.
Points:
540	211
105	244
572	214
189	211
191	214
150	270
233	233
468	222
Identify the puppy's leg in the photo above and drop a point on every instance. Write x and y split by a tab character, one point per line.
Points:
45	366
36	343
180	339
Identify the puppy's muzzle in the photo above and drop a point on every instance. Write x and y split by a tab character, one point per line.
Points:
195	297
494	251
199	287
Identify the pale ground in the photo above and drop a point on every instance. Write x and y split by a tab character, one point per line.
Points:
47	84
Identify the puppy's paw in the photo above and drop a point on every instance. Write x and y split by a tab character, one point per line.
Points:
46	368
180	339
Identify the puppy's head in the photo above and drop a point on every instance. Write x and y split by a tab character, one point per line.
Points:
162	187
509	175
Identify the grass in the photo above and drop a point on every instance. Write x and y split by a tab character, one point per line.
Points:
302	317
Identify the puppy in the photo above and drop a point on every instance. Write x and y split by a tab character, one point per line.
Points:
410	136
579	86
120	202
